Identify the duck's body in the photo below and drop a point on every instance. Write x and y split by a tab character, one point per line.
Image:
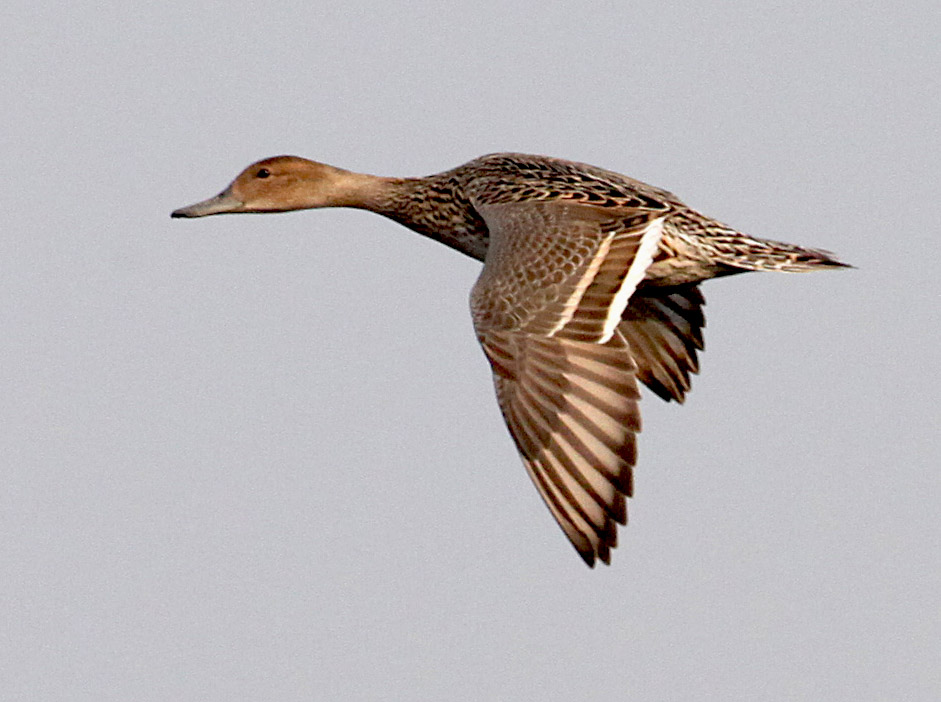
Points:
590	282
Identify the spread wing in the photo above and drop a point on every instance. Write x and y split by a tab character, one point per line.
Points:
548	312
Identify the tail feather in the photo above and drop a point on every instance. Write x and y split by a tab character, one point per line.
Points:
752	254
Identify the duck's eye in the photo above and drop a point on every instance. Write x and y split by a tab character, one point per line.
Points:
263	173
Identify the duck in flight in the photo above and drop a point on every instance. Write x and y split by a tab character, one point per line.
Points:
590	283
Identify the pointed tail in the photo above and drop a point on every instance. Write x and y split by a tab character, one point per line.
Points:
754	254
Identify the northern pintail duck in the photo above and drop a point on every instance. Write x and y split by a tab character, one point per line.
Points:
590	283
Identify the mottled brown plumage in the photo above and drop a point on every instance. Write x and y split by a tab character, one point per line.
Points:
590	283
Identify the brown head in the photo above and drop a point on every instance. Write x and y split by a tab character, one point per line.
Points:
284	183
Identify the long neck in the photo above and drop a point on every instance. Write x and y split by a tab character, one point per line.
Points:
434	207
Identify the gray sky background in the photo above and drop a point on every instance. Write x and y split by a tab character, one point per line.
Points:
259	458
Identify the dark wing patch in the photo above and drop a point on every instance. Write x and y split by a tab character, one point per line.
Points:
664	330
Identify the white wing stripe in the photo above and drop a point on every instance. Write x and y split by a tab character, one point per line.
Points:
649	242
568	309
